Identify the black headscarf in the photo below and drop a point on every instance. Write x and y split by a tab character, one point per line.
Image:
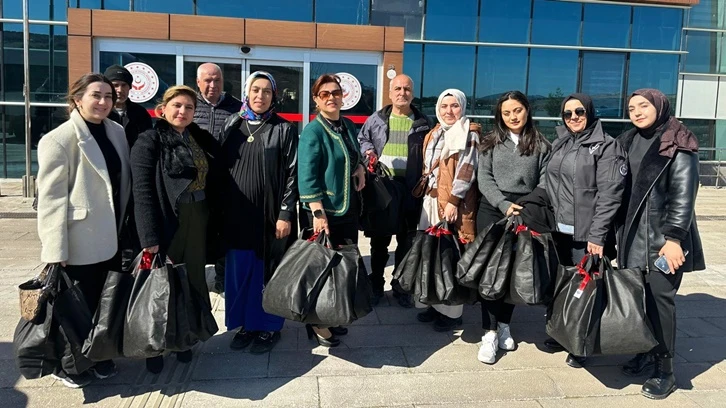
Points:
589	111
674	135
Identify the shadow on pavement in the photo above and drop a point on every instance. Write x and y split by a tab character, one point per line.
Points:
9	378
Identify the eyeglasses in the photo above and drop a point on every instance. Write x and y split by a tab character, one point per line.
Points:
326	94
578	112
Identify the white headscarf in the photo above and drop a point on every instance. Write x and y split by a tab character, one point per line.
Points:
456	135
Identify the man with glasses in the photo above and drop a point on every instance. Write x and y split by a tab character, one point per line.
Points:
394	135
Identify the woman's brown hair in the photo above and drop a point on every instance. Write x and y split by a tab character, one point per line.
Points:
173	92
325	79
78	88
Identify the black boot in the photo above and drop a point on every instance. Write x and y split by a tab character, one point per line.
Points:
663	382
639	364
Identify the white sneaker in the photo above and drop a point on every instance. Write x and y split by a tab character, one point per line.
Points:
488	349
506	342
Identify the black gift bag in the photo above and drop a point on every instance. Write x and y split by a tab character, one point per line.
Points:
476	257
382	198
494	282
425	286
624	326
75	322
35	345
534	268
408	271
105	342
376	195
448	289
573	317
317	284
197	306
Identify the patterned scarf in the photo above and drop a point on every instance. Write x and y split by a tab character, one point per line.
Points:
246	112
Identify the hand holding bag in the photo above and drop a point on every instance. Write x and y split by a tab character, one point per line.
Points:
34	293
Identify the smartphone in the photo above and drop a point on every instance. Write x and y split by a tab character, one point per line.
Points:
662	264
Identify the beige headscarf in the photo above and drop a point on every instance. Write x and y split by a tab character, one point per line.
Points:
456	135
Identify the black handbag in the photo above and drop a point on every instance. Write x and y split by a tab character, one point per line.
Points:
534	268
407	273
476	257
75	321
494	282
35	345
624	326
573	318
317	284
34	293
376	195
105	342
377	220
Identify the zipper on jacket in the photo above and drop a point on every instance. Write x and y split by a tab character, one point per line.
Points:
647	235
211	122
574	195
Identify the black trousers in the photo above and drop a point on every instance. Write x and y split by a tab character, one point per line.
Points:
493	311
379	254
660	296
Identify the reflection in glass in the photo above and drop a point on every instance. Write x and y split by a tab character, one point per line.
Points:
705	130
498	70
122	5
505	21
231	76
444	22
53	10
367	75
556	22
287	10
606	25
547	127
164	65
546	86
342	11
615	129
412	59
487	124
289	82
657	28
11	69
156	6
447	66
703	52
708	14
659	71
603	74
399	13
12	136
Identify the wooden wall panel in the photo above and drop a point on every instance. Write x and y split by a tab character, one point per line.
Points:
222	30
79	57
395	59
279	33
123	24
394	39
350	37
79	21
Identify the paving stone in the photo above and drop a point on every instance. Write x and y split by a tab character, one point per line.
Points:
267	392
230	366
448	359
700	376
593	381
495	404
697	327
710	308
386	336
707	399
396	315
337	361
620	401
92	395
702	349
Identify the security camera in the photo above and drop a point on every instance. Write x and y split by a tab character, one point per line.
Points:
245	49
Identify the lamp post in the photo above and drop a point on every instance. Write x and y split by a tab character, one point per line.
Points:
28	179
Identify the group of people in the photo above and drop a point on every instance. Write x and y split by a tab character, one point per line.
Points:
228	182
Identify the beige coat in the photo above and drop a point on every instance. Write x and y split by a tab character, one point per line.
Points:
76	214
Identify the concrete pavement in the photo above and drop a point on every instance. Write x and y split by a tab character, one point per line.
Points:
388	358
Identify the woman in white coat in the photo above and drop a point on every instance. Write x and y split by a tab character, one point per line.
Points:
83	190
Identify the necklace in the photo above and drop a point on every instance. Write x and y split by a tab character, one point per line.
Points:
251	138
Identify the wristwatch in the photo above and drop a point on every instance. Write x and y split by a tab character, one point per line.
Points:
318	214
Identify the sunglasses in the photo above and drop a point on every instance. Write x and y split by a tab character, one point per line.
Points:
326	94
568	113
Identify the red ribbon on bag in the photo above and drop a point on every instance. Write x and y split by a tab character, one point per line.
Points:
586	277
521	228
372	163
146	259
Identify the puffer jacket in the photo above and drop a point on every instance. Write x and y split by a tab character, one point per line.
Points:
211	118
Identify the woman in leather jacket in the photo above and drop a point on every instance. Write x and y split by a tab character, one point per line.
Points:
659	220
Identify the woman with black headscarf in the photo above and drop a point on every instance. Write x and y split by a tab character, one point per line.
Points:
584	180
259	200
659	220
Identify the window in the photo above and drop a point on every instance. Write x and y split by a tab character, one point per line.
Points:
659	71
705	131
704	49
446	66
615	129
399	13
606	25
12	135
412	58
164	65
708	14
48	63
288	10
547	127
547	86
505	21
657	28
11	67
498	70
164	6
231	75
445	21
341	11
122	5
556	22
602	78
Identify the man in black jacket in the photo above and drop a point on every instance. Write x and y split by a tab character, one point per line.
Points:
213	104
132	116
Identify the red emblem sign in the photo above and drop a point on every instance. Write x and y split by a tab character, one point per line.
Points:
145	84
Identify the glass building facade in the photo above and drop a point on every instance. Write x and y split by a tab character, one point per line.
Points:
545	48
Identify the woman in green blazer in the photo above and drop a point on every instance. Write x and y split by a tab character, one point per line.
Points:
330	175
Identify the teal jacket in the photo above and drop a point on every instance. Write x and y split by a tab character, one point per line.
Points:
324	166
